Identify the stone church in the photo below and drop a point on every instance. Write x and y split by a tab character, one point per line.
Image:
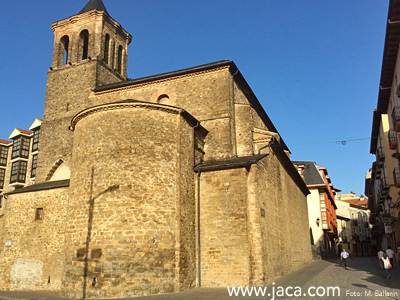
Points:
145	186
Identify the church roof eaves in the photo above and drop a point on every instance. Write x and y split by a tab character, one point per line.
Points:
236	162
188	117
41	186
246	161
234	71
200	68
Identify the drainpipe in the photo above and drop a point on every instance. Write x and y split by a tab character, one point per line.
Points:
198	231
234	109
198	207
268	145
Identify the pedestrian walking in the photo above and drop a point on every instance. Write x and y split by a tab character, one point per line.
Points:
390	254
345	257
386	264
380	255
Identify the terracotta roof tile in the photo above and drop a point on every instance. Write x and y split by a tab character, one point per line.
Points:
5	142
24	131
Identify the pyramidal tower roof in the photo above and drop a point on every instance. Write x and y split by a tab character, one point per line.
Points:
94	4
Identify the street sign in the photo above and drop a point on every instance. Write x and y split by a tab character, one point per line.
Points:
388	229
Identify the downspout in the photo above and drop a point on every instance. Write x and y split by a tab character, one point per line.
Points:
198	231
198	208
234	109
268	145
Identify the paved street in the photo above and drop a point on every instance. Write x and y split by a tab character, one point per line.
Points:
360	281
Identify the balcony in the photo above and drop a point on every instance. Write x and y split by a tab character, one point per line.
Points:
378	173
392	135
396	118
384	185
396	176
380	155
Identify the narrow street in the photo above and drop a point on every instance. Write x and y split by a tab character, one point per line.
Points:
363	280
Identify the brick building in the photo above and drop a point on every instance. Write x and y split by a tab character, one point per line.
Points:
145	186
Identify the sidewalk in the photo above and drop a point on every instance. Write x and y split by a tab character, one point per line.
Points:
364	276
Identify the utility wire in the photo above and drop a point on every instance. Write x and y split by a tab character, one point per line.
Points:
343	142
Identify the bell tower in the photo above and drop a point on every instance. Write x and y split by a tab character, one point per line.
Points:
90	49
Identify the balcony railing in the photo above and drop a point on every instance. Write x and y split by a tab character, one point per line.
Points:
396	118
392	139
396	176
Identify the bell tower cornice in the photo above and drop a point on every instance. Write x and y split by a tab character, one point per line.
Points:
91	35
85	17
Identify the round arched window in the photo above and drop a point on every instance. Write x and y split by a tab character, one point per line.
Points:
163	99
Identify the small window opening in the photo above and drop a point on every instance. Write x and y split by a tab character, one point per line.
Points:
39	214
106	48
94	281
163	99
48	281
85	43
119	63
65	45
67	106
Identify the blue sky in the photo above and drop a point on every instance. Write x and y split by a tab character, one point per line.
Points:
314	65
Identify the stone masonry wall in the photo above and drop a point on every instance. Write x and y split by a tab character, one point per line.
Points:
69	85
67	94
281	239
224	239
186	210
246	121
206	96
130	223
239	246
36	255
